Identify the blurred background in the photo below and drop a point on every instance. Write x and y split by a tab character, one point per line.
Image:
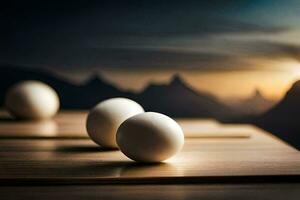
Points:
234	61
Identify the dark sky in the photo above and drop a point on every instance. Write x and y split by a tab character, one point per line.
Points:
153	34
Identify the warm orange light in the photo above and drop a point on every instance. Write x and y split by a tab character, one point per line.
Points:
293	67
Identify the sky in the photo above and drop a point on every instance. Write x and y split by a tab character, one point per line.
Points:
229	48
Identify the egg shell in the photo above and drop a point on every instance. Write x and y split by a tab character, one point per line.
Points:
105	118
32	100
150	137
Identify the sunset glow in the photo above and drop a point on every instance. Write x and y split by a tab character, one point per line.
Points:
225	84
228	49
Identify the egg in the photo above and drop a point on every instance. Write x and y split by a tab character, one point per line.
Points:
32	100
150	137
105	118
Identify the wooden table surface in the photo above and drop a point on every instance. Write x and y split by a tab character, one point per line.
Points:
55	158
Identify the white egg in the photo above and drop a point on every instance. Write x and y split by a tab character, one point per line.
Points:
32	100
105	118
150	137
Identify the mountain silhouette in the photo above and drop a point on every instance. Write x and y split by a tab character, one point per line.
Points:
257	103
72	96
176	99
180	100
254	105
283	120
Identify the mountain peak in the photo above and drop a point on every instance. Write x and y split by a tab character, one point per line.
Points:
177	80
93	80
257	94
295	86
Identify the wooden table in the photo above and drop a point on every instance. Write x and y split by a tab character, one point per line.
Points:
55	158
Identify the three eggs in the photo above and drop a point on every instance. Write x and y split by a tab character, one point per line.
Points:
113	123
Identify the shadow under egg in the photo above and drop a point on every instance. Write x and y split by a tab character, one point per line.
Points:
83	149
149	170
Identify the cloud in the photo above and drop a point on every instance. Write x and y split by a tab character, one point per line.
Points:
232	55
60	23
270	49
119	58
279	50
118	34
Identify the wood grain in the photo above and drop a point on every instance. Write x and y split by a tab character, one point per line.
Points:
149	192
75	160
67	124
71	124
